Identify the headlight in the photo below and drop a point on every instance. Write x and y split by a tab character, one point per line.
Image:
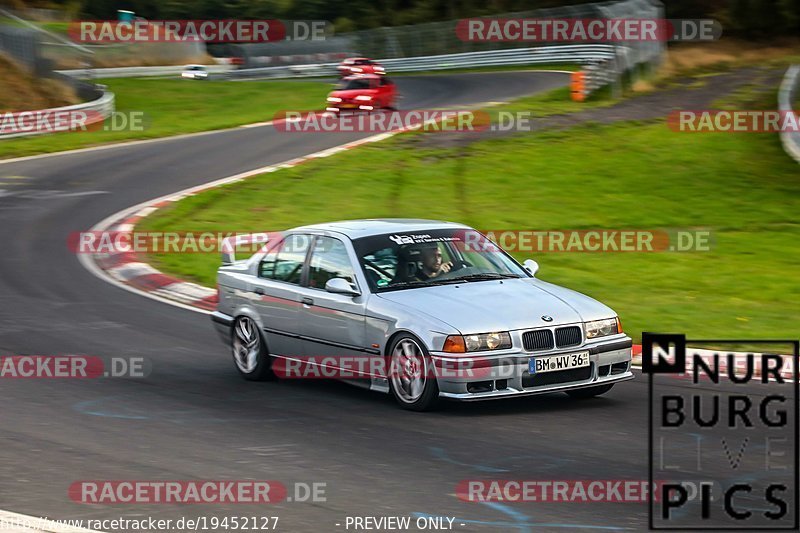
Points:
334	99
363	98
477	343
601	328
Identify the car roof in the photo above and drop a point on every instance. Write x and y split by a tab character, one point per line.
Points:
355	229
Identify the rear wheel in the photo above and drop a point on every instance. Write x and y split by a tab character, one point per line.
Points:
249	351
589	392
412	379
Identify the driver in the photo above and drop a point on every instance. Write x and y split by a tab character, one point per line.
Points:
431	262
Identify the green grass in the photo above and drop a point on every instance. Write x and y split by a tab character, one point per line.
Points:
174	106
743	188
556	102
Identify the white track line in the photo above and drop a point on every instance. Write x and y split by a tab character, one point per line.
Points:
129	143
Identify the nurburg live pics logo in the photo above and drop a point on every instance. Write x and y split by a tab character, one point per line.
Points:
729	439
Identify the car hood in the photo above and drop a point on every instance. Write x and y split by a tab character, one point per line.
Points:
485	306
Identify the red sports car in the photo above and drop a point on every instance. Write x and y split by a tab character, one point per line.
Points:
359	65
365	92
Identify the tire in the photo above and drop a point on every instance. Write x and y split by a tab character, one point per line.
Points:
412	379
590	392
249	350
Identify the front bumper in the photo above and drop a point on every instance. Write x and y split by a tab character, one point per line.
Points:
224	325
485	377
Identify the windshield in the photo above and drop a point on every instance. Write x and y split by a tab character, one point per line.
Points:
409	260
348	85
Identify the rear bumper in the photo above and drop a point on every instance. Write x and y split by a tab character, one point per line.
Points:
223	324
507	374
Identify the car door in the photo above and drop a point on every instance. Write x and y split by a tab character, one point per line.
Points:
278	298
332	324
387	92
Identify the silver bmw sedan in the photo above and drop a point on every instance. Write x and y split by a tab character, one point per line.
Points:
419	309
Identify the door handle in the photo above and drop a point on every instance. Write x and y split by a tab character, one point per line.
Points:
307	301
259	290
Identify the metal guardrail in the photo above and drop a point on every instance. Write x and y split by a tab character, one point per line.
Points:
576	53
542	55
25	46
139	72
104	105
787	97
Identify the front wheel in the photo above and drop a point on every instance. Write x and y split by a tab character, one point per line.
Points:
249	351
590	392
412	379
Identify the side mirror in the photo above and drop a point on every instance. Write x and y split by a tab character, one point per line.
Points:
531	266
340	286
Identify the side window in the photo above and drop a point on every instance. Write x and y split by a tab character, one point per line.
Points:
266	269
329	260
290	258
386	81
380	266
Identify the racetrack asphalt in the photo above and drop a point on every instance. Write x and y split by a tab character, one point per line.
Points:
195	418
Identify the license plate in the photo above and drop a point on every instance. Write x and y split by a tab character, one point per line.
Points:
347	106
554	363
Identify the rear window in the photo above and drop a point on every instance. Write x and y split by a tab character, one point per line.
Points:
349	85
